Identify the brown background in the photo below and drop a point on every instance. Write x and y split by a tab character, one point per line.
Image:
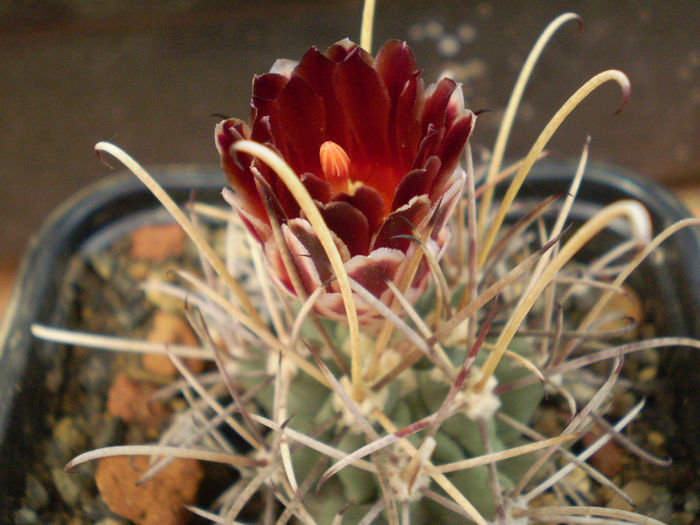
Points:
73	72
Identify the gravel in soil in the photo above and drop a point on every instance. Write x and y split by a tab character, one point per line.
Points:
103	399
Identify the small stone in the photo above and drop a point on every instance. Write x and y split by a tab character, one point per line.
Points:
609	459
647	374
138	270
157	242
35	493
160	500
67	438
103	264
26	516
580	480
67	486
637	490
656	438
171	329
94	374
132	401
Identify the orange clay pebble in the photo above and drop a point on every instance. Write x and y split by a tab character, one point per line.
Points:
158	242
130	400
158	501
169	328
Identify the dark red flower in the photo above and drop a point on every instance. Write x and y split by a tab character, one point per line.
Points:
377	152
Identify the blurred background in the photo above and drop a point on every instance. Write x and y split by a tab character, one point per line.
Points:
73	72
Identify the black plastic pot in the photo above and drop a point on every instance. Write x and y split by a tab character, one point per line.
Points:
671	290
668	284
100	212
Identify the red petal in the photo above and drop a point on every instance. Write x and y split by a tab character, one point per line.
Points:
262	131
365	102
237	168
395	65
429	146
446	204
265	124
436	104
370	202
373	271
266	192
258	228
313	250
304	261
455	106
319	189
340	50
398	69
303	120
451	149
318	70
400	222
268	86
264	115
406	124
416	182
349	224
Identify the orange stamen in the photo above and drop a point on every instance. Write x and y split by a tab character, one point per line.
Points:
335	164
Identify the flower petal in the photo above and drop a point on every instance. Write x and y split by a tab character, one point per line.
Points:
372	271
451	149
319	189
305	254
264	113
401	222
266	89
268	86
313	250
416	182
406	124
369	201
303	119
340	50
317	70
365	102
284	67
396	65
429	146
259	229
442	210
436	104
240	178
349	224
455	106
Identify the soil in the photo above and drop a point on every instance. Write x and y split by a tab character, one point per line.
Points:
101	398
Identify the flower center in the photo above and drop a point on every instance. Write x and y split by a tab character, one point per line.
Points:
335	164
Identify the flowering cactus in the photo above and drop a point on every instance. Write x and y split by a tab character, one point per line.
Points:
347	174
377	152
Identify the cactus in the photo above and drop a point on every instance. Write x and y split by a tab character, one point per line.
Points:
383	335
